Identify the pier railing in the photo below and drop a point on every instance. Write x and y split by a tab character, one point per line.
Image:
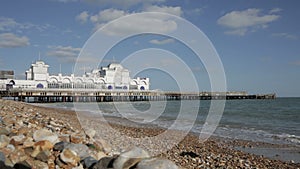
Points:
96	95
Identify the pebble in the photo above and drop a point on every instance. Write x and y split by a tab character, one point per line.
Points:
22	165
11	147
156	163
99	155
81	150
2	159
43	156
78	167
76	138
17	156
60	146
40	147
64	137
102	145
69	156
40	165
17	140
28	142
90	133
4	131
130	158
104	163
4	141
43	145
89	161
44	134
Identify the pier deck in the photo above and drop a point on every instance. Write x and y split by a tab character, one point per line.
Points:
94	95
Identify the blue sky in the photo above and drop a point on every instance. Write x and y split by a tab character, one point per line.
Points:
257	41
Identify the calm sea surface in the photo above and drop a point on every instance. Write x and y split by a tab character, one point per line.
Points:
273	121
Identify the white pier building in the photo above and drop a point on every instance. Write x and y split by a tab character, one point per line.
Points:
112	77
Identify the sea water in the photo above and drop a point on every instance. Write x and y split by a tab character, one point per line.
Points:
272	121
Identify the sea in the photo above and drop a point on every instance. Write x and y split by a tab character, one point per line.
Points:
273	121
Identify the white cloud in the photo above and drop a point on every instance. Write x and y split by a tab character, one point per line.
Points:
82	17
6	24
85	59
285	35
247	20
139	24
10	40
69	54
63	51
98	26
162	42
118	3
196	11
165	9
107	15
240	32
123	3
9	24
275	10
134	24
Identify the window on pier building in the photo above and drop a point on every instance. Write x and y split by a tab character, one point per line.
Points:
39	85
53	85
79	85
90	86
118	87
66	86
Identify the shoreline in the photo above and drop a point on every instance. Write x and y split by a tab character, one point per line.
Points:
282	152
216	152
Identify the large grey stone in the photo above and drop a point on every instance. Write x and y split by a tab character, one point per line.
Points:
22	165
43	155
104	163
88	162
4	131
2	162
81	149
44	134
69	156
60	146
4	141
130	158
2	157
156	163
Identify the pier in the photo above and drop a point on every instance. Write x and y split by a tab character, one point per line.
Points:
48	95
105	84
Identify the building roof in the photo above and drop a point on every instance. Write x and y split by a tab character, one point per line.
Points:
115	65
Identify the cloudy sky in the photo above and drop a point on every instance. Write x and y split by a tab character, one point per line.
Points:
257	41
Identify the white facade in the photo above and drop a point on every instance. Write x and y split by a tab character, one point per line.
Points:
38	71
112	77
